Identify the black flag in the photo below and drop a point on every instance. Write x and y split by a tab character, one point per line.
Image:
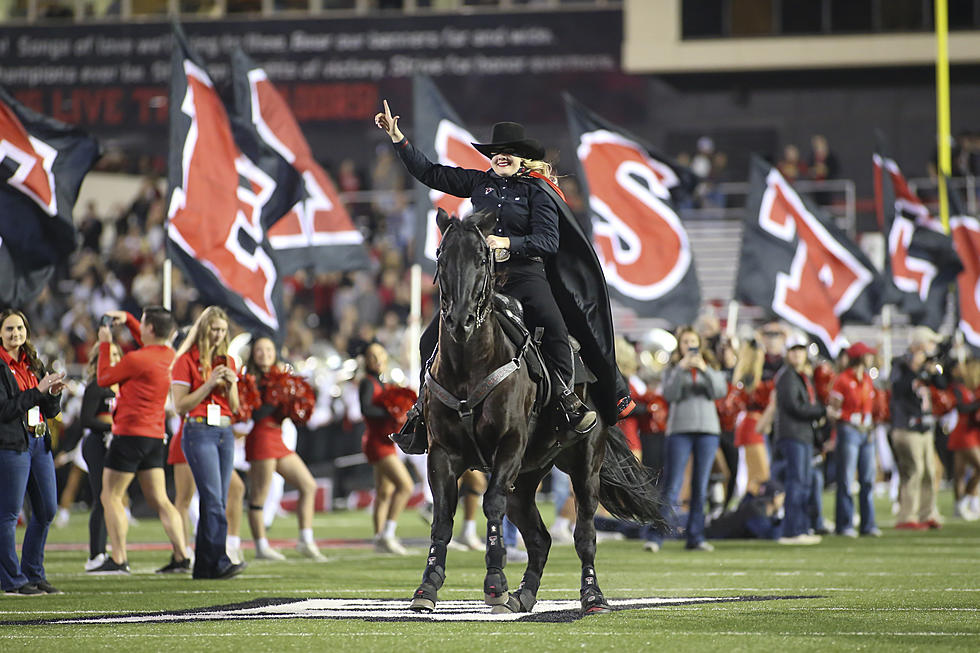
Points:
317	232
225	190
921	262
801	266
42	164
636	231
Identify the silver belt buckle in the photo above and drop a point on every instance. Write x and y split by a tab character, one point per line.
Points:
501	255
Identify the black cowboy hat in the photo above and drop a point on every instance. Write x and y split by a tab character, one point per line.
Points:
508	138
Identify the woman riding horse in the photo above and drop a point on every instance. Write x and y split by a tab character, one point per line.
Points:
520	188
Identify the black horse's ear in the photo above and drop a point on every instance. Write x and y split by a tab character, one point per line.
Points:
485	221
442	220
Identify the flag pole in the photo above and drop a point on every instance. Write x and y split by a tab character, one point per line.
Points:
886	340
732	321
415	327
944	157
168	284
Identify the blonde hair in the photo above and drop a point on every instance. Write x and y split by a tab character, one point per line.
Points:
541	167
198	335
706	354
748	367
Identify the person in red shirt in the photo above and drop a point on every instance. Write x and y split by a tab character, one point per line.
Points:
964	440
28	396
205	394
138	447
267	454
853	395
392	483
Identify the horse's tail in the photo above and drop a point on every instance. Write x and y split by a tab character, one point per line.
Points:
627	489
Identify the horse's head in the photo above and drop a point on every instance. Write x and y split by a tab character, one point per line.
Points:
464	272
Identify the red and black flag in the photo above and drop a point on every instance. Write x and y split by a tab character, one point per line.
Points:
317	232
921	262
226	189
636	231
800	265
42	164
440	134
965	230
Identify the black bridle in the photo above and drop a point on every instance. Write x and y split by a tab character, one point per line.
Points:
484	302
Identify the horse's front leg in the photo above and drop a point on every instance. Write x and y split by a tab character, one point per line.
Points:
442	480
507	462
585	481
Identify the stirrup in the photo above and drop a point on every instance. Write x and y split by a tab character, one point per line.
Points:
412	437
578	416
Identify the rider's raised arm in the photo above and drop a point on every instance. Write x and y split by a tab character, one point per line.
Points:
455	181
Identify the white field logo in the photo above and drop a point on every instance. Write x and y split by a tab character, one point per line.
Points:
389	610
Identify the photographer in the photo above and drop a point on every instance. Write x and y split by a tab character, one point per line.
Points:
912	424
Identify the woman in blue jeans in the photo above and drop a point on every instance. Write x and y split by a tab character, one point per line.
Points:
853	395
29	395
205	392
691	387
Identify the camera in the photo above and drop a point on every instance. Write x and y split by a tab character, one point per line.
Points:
106	321
693	351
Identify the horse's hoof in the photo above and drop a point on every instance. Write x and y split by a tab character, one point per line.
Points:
495	599
425	606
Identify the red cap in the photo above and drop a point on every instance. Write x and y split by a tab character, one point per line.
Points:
859	349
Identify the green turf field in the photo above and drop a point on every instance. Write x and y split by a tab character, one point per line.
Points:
904	591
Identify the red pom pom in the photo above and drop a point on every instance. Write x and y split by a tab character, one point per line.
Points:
943	401
248	398
397	401
292	395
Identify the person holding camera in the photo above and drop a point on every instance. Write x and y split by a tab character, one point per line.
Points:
912	430
29	395
138	447
691	386
205	393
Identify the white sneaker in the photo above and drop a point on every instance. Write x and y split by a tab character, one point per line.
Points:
472	542
234	554
561	535
310	550
651	546
61	519
964	510
268	553
804	539
389	545
516	555
95	562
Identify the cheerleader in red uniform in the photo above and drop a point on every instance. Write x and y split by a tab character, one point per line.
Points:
267	454
964	440
392	483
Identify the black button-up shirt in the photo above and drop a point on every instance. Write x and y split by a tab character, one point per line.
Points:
525	213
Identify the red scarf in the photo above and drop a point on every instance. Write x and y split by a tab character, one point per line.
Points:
21	369
534	173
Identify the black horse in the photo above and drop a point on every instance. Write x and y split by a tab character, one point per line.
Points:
491	429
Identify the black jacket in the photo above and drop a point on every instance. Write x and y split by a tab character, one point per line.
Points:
906	405
14	404
795	412
535	218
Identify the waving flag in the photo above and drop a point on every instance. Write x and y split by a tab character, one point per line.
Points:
642	245
42	164
965	230
317	232
921	261
801	266
225	190
440	134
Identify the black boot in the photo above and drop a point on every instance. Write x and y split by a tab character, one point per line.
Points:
577	415
412	438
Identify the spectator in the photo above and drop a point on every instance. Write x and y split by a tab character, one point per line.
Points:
821	163
794	430
205	393
853	394
29	395
267	454
137	448
791	166
913	374
691	387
